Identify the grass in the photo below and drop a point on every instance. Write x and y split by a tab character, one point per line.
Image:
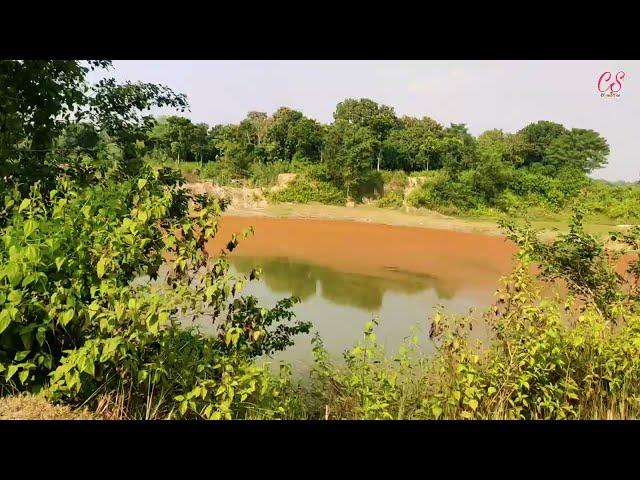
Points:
36	407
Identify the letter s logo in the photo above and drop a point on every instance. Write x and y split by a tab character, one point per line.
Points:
619	78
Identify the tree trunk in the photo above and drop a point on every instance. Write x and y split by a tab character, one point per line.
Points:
379	157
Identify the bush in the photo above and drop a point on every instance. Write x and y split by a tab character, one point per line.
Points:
391	200
73	324
303	190
395	179
266	174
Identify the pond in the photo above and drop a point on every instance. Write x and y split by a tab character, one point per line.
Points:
347	273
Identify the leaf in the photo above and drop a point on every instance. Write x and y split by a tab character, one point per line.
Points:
66	317
5	320
15	296
23	375
473	403
11	371
101	266
436	410
24	204
59	262
141	183
40	335
29	227
21	355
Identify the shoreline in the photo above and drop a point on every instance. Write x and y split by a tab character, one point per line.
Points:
414	218
367	215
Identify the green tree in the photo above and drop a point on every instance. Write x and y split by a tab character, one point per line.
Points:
539	136
416	145
350	150
380	120
505	147
580	149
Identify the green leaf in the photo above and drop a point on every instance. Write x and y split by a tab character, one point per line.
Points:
5	320
40	335
473	403
21	355
89	368
436	410
11	371
141	183
29	227
24	204
23	375
66	317
101	266
15	296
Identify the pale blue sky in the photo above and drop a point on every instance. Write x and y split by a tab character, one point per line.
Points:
482	94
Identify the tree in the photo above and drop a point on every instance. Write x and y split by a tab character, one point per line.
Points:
539	136
580	149
508	148
380	120
459	148
350	150
39	99
291	134
417	145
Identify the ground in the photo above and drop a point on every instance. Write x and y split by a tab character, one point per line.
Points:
35	407
412	218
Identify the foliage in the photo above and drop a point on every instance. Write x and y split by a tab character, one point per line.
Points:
304	190
102	271
391	199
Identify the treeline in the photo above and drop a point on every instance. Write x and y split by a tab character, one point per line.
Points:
543	163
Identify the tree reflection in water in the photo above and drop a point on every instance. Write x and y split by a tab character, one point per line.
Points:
291	277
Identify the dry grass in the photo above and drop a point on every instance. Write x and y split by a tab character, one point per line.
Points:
35	407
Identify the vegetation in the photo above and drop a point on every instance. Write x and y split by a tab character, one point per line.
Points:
103	268
75	236
541	168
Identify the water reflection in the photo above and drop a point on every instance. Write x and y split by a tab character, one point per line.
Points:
339	303
366	292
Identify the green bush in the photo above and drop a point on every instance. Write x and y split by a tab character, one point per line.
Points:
73	324
266	174
394	179
391	200
303	190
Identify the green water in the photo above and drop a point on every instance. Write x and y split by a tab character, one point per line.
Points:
340	303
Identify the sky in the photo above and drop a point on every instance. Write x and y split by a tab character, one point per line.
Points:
482	94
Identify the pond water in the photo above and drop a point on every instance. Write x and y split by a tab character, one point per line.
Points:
347	273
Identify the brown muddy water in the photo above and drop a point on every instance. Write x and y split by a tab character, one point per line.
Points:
347	273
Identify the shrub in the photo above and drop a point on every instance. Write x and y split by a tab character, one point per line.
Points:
303	190
73	324
266	174
391	200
